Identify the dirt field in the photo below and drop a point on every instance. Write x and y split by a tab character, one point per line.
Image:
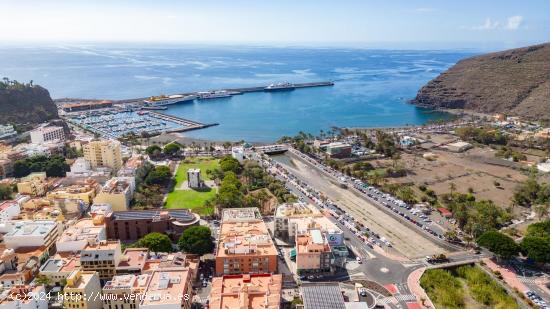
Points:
407	241
474	169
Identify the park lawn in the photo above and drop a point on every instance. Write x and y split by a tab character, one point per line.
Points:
202	163
192	199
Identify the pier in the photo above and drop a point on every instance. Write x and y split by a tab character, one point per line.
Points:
239	90
187	124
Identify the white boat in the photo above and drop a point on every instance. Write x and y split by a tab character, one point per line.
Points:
280	87
163	100
214	94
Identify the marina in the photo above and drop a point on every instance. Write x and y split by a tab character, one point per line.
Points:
140	116
117	123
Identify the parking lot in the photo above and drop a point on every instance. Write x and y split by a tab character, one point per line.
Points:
404	238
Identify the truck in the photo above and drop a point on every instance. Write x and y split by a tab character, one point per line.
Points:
437	258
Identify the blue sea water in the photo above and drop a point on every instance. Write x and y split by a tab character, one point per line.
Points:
371	86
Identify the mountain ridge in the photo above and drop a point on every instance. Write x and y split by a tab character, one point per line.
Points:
513	82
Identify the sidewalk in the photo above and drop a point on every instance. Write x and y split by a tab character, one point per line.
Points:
508	275
413	281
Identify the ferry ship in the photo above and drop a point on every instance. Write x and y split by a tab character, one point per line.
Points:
163	100
215	94
280	87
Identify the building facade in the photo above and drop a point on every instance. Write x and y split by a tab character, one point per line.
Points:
117	192
133	225
102	258
244	245
103	153
47	134
82	291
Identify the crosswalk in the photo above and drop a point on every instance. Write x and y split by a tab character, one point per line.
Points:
527	280
396	298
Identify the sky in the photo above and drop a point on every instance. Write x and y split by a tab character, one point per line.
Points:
403	23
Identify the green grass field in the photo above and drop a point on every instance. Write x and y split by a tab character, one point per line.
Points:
192	199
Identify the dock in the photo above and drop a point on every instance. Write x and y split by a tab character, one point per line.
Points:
238	91
187	124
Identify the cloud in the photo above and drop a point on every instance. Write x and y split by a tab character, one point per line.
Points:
514	22
487	25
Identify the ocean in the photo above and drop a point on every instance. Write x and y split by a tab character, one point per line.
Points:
371	88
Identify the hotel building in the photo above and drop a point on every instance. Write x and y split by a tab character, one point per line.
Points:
47	134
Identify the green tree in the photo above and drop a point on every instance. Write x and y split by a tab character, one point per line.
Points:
196	240
154	151
159	176
536	248
500	244
6	192
172	149
539	229
42	280
155	242
230	164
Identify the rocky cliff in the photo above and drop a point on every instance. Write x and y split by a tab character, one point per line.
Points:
25	104
513	82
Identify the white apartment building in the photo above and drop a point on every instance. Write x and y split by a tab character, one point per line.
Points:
47	134
34	233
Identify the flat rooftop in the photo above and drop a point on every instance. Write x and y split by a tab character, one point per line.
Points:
133	258
241	214
167	285
246	291
81	230
245	238
32	228
131	282
59	264
182	215
299	209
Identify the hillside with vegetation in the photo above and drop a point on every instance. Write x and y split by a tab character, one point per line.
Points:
513	82
25	103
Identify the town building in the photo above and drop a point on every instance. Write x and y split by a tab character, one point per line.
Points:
86	106
100	209
125	291
82	169
102	257
338	150
7	131
459	146
313	253
133	168
133	261
34	184
46	148
238	153
77	236
47	134
82	291
117	192
194	178
247	291
245	245
35	233
24	297
106	153
134	224
83	190
9	210
168	288
59	267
